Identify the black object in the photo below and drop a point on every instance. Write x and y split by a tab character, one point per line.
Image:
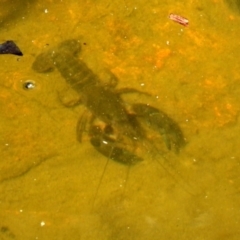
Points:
9	47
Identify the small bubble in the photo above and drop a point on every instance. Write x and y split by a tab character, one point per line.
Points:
29	85
42	223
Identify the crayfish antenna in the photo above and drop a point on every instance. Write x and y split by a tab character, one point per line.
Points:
99	184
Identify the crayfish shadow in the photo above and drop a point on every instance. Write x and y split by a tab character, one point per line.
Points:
149	191
131	184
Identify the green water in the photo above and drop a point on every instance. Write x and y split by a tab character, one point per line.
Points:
51	185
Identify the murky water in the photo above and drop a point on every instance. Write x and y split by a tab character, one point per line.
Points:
50	183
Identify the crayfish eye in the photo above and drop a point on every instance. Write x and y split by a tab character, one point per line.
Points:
108	129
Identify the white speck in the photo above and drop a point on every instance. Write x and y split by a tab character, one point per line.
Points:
29	84
7	144
167	42
157	97
142	84
20	210
186	120
46	11
42	223
105	142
